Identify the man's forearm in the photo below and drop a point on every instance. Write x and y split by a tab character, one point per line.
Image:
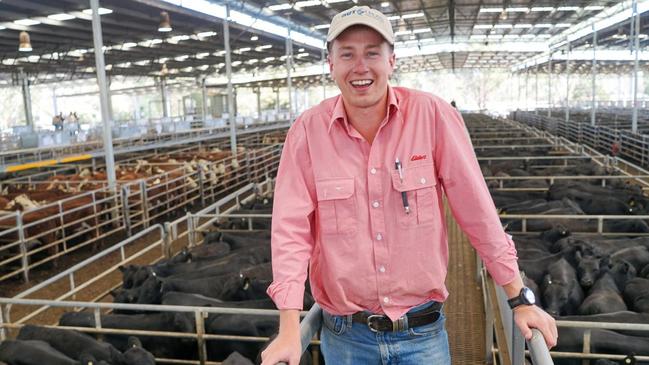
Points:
289	321
514	287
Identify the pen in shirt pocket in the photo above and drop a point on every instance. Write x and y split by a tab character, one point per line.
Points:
404	195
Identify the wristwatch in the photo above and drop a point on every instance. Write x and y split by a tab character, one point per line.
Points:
525	297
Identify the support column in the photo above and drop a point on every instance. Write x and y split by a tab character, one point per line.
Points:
323	79
277	105
111	115
228	71
636	22
27	100
567	82
258	91
594	73
289	66
536	91
204	99
100	66
165	97
550	85
527	79
54	101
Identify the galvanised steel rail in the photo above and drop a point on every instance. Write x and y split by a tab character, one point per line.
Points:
136	205
39	157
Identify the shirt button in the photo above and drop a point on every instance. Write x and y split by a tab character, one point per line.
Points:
386	299
382	269
375	204
373	171
423	181
379	237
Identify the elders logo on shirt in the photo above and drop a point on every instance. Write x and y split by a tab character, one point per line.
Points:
417	157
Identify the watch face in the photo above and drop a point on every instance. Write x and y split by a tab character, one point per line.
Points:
528	294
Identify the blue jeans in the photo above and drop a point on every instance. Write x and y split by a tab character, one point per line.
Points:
344	342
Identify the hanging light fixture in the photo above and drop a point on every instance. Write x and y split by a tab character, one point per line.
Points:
165	23
25	44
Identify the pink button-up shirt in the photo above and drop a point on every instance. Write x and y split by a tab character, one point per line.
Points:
339	210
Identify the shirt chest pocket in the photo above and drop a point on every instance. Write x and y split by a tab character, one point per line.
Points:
419	186
337	206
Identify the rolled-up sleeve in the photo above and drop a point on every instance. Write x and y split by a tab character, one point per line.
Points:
293	217
468	195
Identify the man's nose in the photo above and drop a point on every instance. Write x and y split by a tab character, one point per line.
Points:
361	65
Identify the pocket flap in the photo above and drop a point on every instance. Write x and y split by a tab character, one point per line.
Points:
416	177
332	189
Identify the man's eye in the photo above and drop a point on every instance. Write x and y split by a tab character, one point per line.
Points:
346	55
372	54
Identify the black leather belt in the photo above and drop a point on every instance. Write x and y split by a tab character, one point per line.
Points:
382	323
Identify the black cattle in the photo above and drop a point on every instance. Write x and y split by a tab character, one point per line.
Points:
590	268
150	292
238	325
236	358
644	273
536	268
605	205
212	250
603	297
562	293
229	287
32	352
239	239
540	206
601	341
636	294
159	346
197	300
136	354
638	256
616	317
72	343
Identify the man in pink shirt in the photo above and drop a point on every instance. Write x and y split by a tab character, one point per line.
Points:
359	204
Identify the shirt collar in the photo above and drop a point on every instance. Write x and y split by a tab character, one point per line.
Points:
340	114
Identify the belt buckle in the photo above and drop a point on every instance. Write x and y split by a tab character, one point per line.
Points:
369	321
399	324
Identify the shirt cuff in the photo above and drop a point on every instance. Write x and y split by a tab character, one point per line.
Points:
287	295
504	268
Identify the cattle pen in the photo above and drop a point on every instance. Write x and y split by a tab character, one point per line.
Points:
141	186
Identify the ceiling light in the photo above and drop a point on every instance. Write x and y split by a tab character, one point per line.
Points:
491	10
108	67
202	55
517	10
129	45
165	22
402	32
181	58
280	7
523	26
236	63
543	8
420	30
503	26
479	36
307	3
25	45
385	4
568	8
268	59
562	25
301	50
482	26
593	7
543	25
61	16
244	49
528	36
205	34
412	15
267	46
26	22
101	11
394	17
254	38
1	27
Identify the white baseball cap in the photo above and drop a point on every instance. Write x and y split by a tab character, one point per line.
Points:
362	15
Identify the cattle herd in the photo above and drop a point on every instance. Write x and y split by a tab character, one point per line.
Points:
589	270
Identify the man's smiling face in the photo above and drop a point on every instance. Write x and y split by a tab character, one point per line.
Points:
361	62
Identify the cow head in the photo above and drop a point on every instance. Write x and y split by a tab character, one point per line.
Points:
136	354
590	268
622	271
556	295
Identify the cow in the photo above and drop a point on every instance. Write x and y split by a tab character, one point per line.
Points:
72	343
601	341
636	294
615	317
562	293
32	352
158	346
603	297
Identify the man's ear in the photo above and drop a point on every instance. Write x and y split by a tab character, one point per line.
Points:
331	65
393	61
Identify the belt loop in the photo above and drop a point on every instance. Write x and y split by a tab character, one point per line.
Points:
349	320
406	326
